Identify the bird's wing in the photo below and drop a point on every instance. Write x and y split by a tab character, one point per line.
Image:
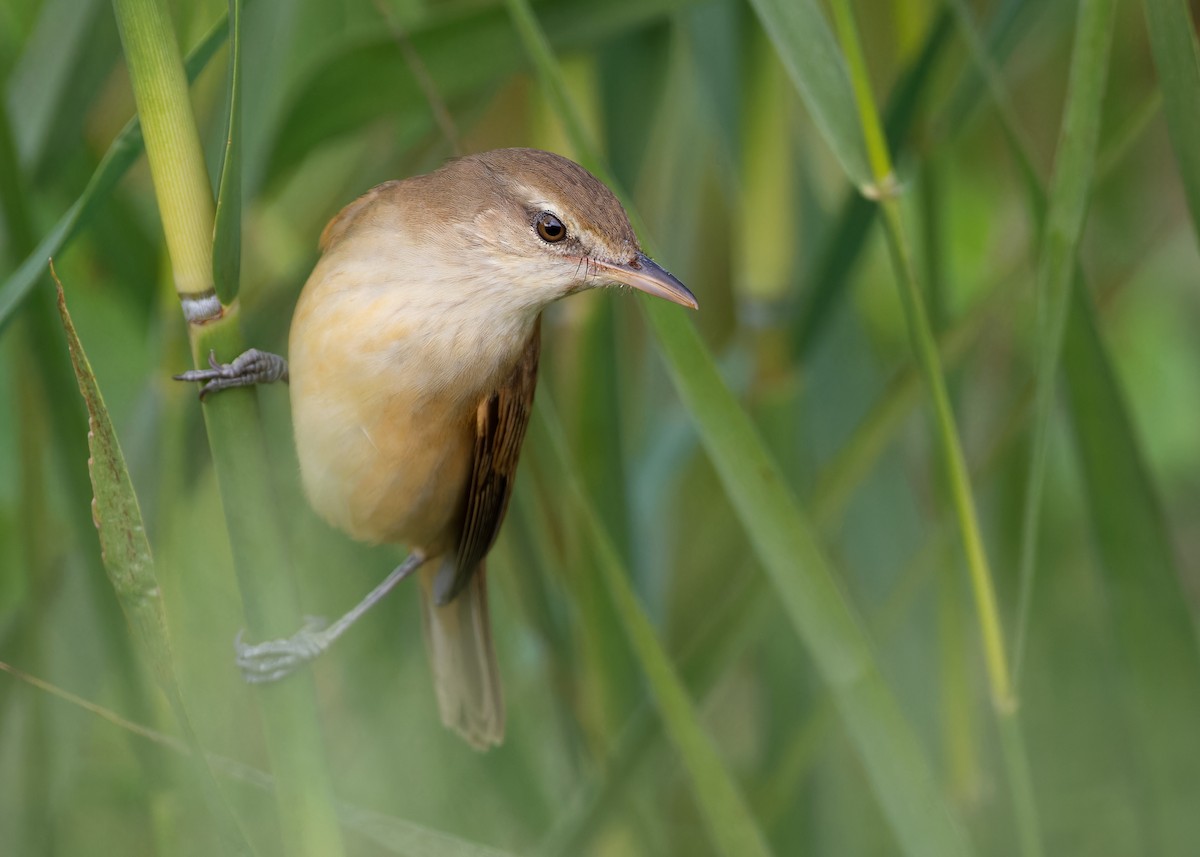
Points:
500	423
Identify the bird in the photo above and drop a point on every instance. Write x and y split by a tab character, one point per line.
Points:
412	362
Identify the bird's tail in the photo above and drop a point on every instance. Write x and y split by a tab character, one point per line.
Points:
458	637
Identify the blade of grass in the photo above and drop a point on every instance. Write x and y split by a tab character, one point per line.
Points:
826	280
1070	187
808	51
764	248
612	670
715	32
1160	686
1006	27
990	74
41	360
809	591
63	65
732	827
307	821
342	91
393	835
952	457
701	661
130	566
833	486
120	156
227	229
1155	630
832	489
1177	57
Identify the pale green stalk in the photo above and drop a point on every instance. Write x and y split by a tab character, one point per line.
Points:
1070	188
725	812
391	834
172	145
924	345
784	541
1172	30
925	348
307	818
122	152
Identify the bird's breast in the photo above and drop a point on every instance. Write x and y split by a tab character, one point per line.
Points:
384	392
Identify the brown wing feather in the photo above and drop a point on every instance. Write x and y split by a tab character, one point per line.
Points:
500	423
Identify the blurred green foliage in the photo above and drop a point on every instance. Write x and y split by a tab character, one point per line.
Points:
742	195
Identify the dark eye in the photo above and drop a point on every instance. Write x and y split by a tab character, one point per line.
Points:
549	228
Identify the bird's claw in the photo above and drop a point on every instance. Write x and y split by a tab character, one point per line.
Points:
271	660
247	369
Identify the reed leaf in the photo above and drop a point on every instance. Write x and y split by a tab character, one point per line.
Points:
1067	207
121	155
1172	29
126	554
239	452
786	545
227	227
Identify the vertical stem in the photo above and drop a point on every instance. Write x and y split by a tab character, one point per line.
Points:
306	814
953	460
172	144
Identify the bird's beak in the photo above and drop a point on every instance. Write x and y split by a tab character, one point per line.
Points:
646	275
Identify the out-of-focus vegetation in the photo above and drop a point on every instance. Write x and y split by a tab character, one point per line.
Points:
788	527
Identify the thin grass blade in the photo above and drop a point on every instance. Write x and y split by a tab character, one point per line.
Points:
1159	687
252	515
1067	204
733	829
1177	56
393	835
125	551
121	155
342	91
823	617
806	46
57	77
833	264
227	227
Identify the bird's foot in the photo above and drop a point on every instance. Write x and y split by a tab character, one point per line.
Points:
247	369
262	663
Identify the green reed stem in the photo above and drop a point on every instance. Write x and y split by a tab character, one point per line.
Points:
307	819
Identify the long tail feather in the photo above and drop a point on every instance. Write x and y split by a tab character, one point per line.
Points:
458	637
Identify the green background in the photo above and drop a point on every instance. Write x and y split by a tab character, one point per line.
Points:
699	111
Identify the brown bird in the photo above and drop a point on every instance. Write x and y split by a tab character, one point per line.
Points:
414	355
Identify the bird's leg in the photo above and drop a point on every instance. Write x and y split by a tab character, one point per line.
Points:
247	369
272	660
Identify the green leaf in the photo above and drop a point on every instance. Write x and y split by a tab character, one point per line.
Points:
118	519
1177	57
120	156
786	545
807	48
835	261
725	812
1074	164
125	551
810	595
227	227
342	91
1158	688
391	834
252	515
63	67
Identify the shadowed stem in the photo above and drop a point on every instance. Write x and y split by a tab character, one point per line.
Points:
884	190
308	823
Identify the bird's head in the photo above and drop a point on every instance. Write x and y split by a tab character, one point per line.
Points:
544	227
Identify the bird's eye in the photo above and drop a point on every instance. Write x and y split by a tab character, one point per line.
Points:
549	228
